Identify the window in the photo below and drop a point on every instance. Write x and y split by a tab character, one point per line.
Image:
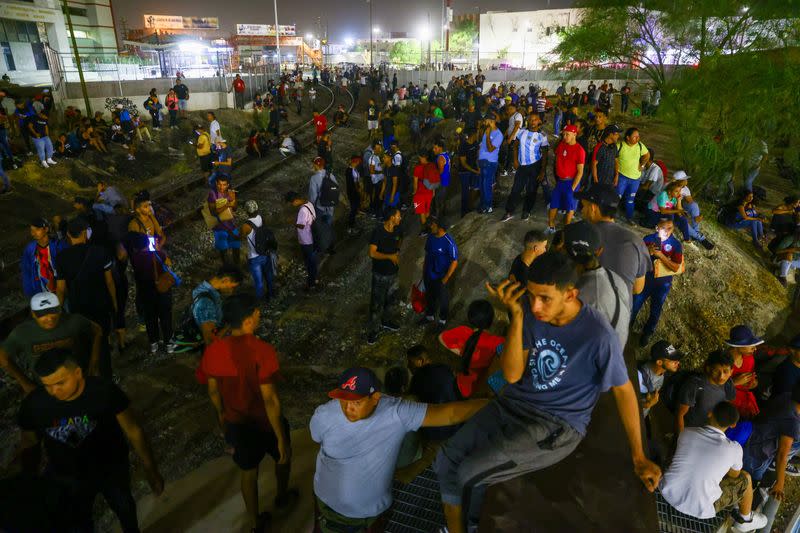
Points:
7	54
17	31
39	57
75	11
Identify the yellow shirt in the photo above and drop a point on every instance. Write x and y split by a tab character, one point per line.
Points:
629	159
203	144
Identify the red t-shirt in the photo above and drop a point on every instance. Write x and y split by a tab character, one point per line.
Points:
238	85
482	357
240	365
46	273
320	124
568	157
429	171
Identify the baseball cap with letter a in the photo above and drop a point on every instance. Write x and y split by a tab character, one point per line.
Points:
355	383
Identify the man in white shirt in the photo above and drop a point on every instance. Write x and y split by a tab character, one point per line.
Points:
706	474
213	129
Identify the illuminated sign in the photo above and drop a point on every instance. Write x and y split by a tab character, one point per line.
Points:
172	22
28	12
266	29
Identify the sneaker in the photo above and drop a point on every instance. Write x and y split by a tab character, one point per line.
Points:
550	230
525	216
171	347
51	161
442	323
131	157
154	348
504	173
757	521
708	245
783	281
506	217
791	469
45	165
424	321
423	233
391	326
372	338
125	146
489	210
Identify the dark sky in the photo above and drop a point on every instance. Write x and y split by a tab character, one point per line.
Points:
345	18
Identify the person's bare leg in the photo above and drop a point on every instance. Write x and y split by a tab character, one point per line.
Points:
568	217
454	517
250	494
551	218
746	503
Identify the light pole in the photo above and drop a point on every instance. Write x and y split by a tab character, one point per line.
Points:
277	37
370	33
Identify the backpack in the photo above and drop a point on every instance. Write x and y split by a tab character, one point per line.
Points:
321	233
146	104
673	385
188	335
263	240
328	192
368	153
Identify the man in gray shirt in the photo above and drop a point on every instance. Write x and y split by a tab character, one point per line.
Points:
325	213
699	394
598	287
360	433
664	357
624	252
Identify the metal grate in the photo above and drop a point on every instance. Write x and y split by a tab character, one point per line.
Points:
670	520
417	506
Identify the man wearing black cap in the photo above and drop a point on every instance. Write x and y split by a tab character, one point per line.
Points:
605	163
600	288
38	259
623	251
360	432
49	328
664	357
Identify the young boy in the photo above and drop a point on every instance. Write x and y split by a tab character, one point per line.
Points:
699	394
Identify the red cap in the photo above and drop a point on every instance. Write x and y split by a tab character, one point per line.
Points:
319	161
571	128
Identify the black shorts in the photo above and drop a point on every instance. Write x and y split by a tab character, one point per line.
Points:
251	443
205	162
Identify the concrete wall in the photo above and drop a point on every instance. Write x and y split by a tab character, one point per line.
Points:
546	79
197	102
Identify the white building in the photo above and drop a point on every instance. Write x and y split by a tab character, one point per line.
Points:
523	39
29	27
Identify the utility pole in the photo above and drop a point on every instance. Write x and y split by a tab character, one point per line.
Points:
370	33
447	36
77	59
277	37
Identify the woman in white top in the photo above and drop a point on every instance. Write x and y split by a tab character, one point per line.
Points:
262	265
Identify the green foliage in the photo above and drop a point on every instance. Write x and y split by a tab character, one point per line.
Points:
463	37
405	52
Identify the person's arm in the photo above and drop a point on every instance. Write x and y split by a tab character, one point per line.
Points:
208	330
112	289
679	415
375	254
450	270
272	405
133	431
216	401
33	131
578	175
515	161
514	358
781	460
97	343
46	130
447	414
465	165
670	264
616	173
643	160
489	146
61	290
594	167
545	157
11	368
628	408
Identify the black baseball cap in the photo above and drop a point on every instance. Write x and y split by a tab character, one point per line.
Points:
355	383
581	238
613	128
665	350
40	222
602	194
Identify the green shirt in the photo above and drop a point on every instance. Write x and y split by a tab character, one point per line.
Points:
28	341
629	157
438	113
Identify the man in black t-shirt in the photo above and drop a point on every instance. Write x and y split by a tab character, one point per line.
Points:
387	127
83	423
384	249
471	117
182	92
432	383
468	169
85	281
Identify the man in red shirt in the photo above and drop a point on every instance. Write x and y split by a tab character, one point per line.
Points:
242	371
320	124
570	158
238	92
426	179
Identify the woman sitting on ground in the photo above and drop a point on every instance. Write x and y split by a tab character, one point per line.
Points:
665	204
748	217
91	137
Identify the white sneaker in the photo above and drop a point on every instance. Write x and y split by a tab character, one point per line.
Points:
45	165
757	521
131	157
51	162
550	230
154	348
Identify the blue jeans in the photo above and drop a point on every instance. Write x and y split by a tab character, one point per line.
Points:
756	229
261	269
626	188
5	146
310	257
488	171
750	178
44	148
4	177
757	466
658	295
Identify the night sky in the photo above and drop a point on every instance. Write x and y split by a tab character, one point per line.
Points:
345	18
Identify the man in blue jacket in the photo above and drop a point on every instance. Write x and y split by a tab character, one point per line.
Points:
38	259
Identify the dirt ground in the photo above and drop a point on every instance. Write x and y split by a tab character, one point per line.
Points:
317	335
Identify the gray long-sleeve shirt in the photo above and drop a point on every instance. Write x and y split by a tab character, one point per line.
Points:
314	187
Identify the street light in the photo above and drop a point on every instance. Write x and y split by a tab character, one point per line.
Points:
376	29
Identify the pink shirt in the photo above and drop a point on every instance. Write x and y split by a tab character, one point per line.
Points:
305	217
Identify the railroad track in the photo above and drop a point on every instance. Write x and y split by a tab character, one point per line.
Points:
185	199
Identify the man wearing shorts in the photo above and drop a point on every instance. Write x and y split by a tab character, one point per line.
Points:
570	159
372	119
559	355
706	475
242	371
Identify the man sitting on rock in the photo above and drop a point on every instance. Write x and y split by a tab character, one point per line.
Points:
700	393
558	357
706	476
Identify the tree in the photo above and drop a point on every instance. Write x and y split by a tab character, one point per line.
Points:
464	37
405	53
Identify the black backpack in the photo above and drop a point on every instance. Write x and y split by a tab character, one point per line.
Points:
322	235
328	192
188	333
264	241
673	385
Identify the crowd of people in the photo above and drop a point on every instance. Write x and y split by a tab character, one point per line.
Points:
513	402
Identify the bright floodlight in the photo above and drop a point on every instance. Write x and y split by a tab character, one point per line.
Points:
424	33
348	41
376	29
309	36
191	46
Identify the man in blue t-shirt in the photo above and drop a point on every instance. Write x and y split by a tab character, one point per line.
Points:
491	139
441	260
360	432
666	253
558	357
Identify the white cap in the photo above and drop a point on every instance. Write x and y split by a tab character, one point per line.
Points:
685	192
43	301
680	175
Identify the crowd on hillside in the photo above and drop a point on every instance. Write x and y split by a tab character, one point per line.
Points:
511	402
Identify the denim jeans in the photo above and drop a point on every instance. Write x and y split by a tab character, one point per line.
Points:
310	257
4	176
757	466
261	267
756	229
689	229
786	266
657	295
626	188
488	171
469	182
382	297
5	146
44	148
